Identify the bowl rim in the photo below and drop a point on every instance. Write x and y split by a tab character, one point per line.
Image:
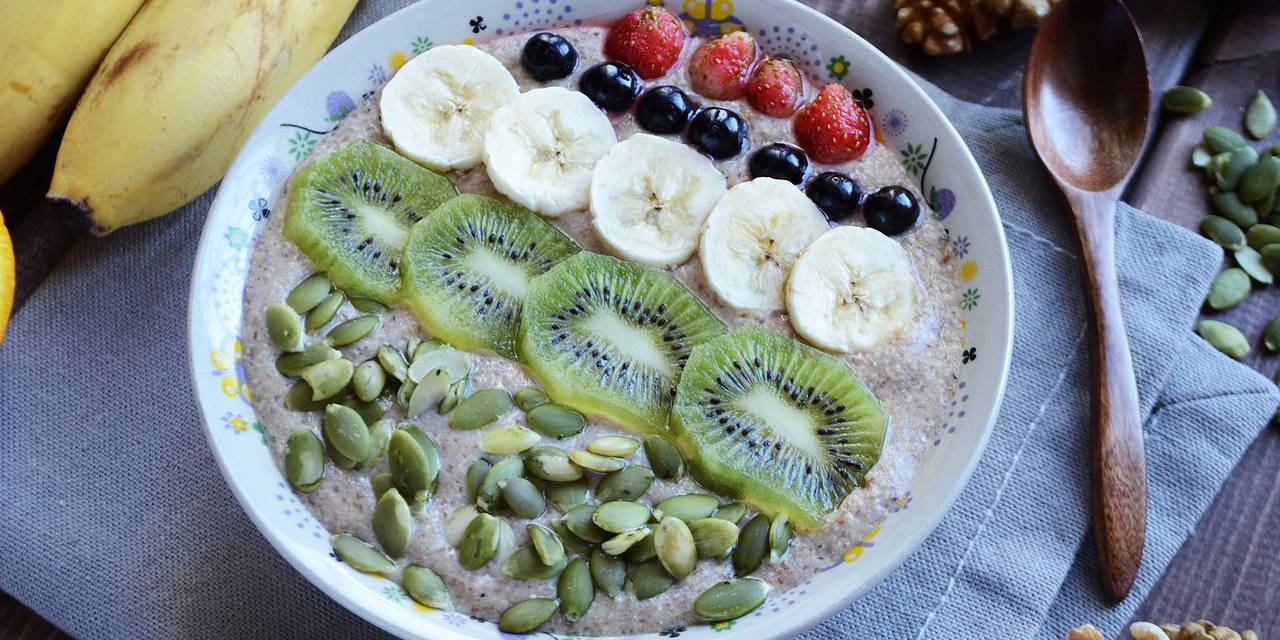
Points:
792	626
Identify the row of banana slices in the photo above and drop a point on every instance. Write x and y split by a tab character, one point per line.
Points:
763	245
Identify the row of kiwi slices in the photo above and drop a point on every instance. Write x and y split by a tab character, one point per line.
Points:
759	416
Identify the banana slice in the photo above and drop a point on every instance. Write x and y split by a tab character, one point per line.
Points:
851	290
650	197
540	149
754	235
437	107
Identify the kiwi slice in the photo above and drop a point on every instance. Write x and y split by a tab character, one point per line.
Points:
350	213
777	424
609	338
468	265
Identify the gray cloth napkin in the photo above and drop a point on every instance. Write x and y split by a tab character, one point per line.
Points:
115	522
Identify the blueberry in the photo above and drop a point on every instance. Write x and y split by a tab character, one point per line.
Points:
781	161
718	132
664	109
613	86
891	210
547	56
836	194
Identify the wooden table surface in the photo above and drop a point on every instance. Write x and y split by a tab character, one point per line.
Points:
1229	569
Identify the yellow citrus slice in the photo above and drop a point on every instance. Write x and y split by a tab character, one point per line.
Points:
7	277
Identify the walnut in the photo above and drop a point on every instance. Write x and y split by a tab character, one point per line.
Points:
942	26
1021	13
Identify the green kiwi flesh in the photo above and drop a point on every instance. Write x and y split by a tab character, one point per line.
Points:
609	338
776	424
350	213
468	265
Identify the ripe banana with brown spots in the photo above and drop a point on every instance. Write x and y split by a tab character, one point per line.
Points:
176	97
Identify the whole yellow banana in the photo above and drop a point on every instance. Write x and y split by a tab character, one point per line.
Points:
49	50
176	97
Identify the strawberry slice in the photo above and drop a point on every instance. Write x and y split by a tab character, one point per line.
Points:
834	128
648	40
776	88
720	68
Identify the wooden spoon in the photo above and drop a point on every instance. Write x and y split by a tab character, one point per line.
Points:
1085	96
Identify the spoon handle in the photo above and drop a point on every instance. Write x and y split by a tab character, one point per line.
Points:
1119	464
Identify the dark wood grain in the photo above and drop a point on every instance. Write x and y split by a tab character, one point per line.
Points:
20	623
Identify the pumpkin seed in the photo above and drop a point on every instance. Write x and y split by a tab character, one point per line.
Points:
451	397
642	551
284	327
428	393
369	411
411	347
624	484
360	555
381	483
298	398
713	537
1222	231
325	311
404	394
414	467
618	544
293	364
567	495
489	496
367	305
1200	156
1271	257
480	409
615	446
608	573
1221	139
546	543
648	579
1224	338
1267	204
1271	335
525	564
730	599
575	590
780	534
304	461
527	615
753	542
664	459
393	362
676	549
345	434
571	542
425	587
507	439
456	526
1260	180
1228	289
619	516
732	512
423	347
1229	205
309	293
555	421
328	378
475	476
581	523
522	497
352	330
506	540
593	462
551	464
479	542
527	398
1251	262
690	506
1182	99
368	380
1261	235
379	438
1274	151
392	523
1230	168
432	355
1260	116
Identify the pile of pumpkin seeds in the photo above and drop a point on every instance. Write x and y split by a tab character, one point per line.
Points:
1244	194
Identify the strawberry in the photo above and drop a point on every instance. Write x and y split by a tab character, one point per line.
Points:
776	88
648	40
833	128
720	68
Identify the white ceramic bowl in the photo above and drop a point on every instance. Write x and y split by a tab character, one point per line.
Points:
906	120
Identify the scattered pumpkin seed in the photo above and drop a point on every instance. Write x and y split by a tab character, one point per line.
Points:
730	599
575	590
1261	235
1229	205
624	484
423	347
615	446
1224	338
428	393
1271	257
309	293
381	483
571	542
527	615
528	398
1274	151
367	305
581	523
1259	116
475	476
664	459
732	512
456	526
567	495
325	311
404	394
753	543
1271	335
392	523
351	331
642	551
1268	202
360	555
414	467
618	544
619	516
304	461
284	327
368	380
713	537
608	573
489	497
1200	156
480	409
1220	139
299	398
1222	231
522	497
345	434
1251	262
555	421
1228	289
690	506
379	438
780	534
328	378
293	364
1228	171
479	542
452	397
411	347
593	462
648	579
425	587
508	439
1182	99
506	540
525	564
551	464
1259	181
432	355
369	411
676	549
393	362
546	543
